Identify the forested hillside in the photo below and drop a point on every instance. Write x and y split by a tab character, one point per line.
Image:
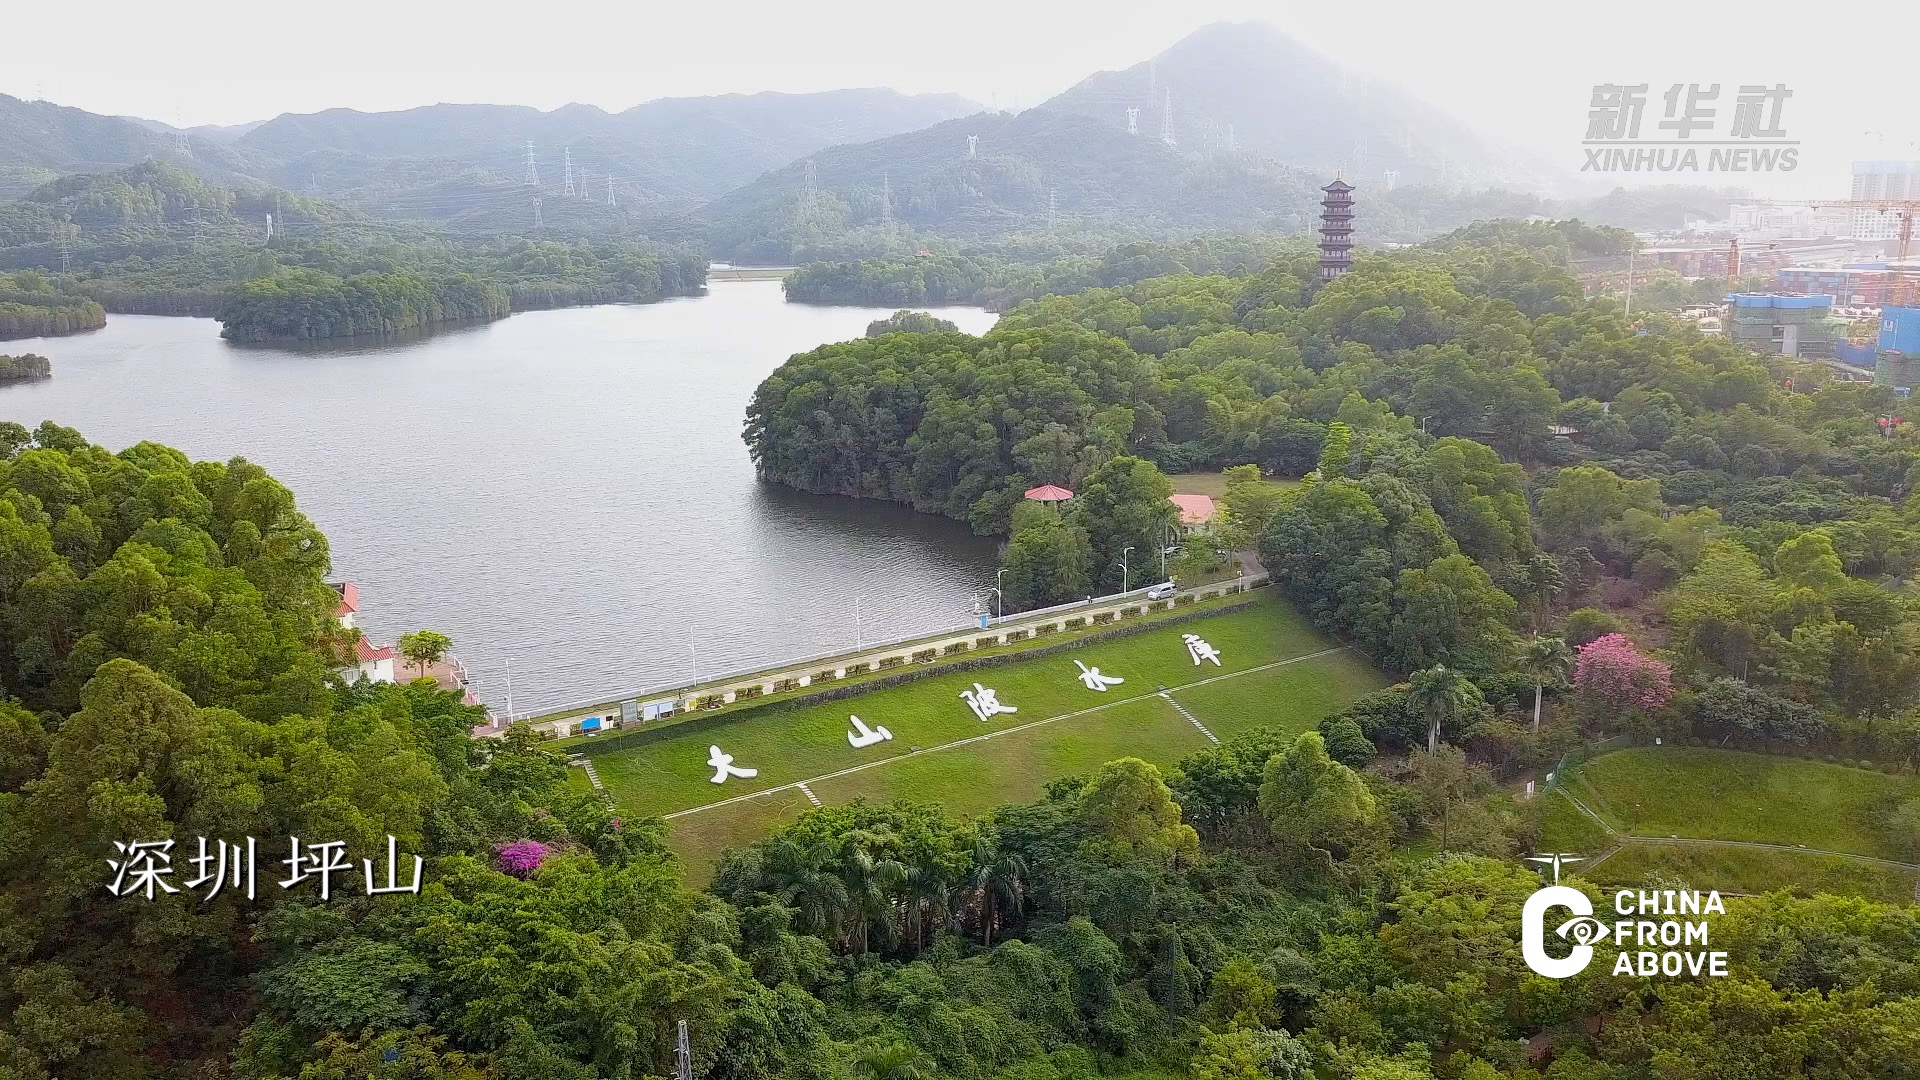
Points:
155	239
165	635
30	307
1701	495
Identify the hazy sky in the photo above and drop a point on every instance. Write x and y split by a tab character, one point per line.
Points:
1521	71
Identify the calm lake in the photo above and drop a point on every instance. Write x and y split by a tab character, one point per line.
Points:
562	491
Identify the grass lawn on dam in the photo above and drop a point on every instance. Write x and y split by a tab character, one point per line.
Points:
1697	793
1274	669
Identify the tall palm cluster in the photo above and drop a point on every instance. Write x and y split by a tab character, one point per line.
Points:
862	895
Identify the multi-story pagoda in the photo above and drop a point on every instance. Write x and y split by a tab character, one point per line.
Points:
1336	230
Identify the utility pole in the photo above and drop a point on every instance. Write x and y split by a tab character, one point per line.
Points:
533	172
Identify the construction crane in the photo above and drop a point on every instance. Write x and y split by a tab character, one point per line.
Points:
1906	208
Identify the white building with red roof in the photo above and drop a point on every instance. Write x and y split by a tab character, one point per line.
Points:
349	603
375	661
369	662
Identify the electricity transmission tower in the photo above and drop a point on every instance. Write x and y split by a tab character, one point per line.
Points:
610	201
568	151
886	202
1133	119
536	213
1053	202
1166	119
682	1055
533	173
973	146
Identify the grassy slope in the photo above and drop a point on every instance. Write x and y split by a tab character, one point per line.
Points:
1750	870
1727	795
671	774
1215	483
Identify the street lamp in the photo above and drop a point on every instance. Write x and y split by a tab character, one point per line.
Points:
1123	566
999	598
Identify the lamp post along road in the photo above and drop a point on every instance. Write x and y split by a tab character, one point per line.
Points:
1124	552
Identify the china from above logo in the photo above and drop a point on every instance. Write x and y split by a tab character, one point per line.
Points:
1664	946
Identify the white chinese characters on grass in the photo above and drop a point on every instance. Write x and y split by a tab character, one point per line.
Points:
1198	648
722	765
866	736
146	867
984	703
1094	680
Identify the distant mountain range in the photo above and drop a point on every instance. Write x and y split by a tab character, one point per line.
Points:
991	174
1233	128
1250	87
672	152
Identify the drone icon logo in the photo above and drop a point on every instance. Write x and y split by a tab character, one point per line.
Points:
1582	929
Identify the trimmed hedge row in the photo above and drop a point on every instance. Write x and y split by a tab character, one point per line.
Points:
627	739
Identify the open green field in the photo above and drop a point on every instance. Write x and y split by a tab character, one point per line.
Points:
1729	795
1062	728
1214	484
1755	871
1722	795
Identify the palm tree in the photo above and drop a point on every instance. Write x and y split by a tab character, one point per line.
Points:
994	876
1547	659
928	892
1441	694
799	875
1543	582
893	1061
871	885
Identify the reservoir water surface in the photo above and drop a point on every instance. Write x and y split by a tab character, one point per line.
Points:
564	493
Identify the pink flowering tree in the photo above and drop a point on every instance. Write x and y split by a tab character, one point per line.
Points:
1611	669
520	858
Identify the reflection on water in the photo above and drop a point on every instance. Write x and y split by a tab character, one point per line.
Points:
562	491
